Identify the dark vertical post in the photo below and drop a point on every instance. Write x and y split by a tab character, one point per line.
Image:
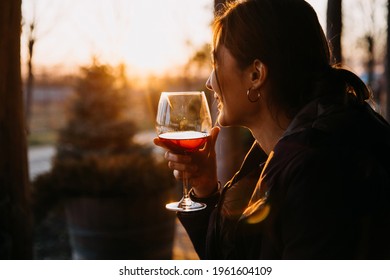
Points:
388	64
334	27
30	76
15	221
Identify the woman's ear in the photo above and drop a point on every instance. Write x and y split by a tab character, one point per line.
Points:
259	74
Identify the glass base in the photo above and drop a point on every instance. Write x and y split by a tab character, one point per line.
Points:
185	207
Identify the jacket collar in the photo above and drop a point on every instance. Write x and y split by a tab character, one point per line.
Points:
326	114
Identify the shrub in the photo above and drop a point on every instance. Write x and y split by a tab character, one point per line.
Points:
96	155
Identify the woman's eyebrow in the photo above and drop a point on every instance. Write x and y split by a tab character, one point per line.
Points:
214	56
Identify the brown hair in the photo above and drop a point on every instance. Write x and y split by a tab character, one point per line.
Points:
287	37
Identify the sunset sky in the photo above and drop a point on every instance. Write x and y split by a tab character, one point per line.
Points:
150	36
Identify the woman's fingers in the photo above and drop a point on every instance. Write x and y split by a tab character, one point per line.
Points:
159	143
183	167
214	135
199	167
178	175
180	162
210	144
177	157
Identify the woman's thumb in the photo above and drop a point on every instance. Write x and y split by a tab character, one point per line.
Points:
210	146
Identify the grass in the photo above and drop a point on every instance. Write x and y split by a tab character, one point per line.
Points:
42	138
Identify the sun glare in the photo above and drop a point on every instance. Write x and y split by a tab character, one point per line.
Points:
148	36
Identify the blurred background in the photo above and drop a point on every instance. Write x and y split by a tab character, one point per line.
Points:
152	46
92	74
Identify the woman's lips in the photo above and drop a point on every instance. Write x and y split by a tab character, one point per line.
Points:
219	103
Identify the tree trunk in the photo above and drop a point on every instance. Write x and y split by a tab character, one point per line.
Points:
371	60
30	77
388	64
334	27
15	219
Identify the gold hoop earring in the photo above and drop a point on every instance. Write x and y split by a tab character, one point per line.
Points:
251	99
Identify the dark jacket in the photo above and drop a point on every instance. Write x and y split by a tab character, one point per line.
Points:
324	193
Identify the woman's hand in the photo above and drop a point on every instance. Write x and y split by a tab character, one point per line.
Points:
200	166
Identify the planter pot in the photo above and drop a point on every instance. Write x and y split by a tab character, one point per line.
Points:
120	227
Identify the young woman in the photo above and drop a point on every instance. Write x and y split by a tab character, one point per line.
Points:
316	182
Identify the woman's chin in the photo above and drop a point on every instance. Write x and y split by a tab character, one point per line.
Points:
221	120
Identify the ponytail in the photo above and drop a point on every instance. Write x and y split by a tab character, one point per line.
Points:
350	84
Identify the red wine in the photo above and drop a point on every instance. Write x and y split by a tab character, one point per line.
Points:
184	141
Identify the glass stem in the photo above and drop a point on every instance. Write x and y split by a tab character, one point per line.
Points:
186	200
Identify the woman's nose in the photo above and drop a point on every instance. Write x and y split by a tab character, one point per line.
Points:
208	83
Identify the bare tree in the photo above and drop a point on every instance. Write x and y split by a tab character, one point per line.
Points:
34	33
371	42
30	76
15	221
334	26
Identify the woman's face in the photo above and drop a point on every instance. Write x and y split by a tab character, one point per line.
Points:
230	84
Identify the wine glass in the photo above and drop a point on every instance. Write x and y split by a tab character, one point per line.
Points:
183	124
